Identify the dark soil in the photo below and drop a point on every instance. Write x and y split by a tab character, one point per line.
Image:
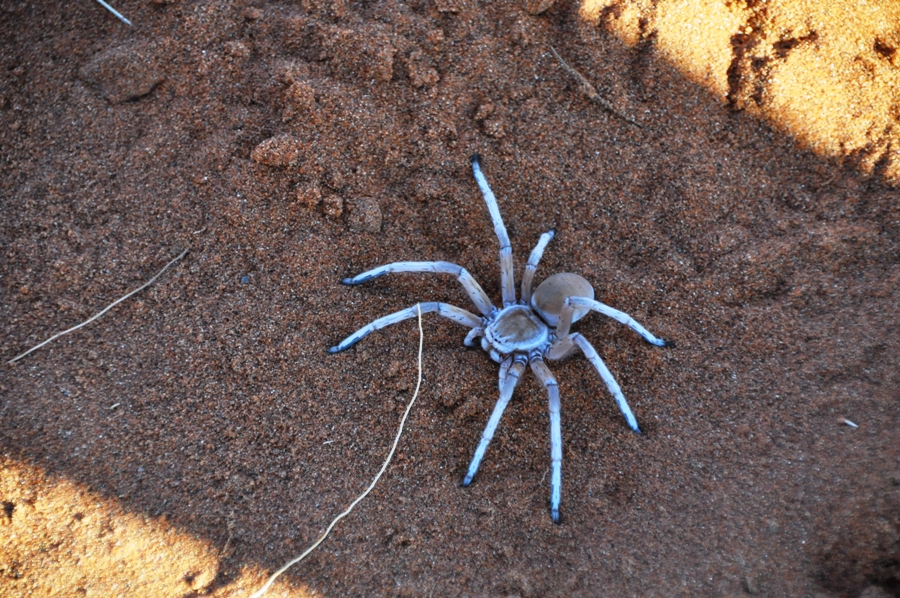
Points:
288	145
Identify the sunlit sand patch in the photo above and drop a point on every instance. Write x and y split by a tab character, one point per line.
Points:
59	539
841	94
827	73
694	34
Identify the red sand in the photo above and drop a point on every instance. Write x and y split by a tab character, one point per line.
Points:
291	145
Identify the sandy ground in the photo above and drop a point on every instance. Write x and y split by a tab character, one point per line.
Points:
199	435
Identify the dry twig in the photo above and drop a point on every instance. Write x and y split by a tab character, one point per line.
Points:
105	309
591	92
115	12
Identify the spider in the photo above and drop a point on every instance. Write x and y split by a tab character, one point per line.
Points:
523	332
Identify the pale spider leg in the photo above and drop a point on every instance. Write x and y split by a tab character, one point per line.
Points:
476	293
509	384
560	349
564	346
565	319
504	370
469	341
451	312
531	266
507	277
544	374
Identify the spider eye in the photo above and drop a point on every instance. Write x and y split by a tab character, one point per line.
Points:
550	295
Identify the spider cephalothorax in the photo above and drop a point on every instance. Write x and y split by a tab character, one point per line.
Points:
522	332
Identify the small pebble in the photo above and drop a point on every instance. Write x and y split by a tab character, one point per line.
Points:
309	195
252	14
125	72
420	71
536	7
281	150
333	206
300	100
494	127
237	49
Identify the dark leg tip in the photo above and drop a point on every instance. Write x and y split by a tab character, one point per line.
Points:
466	481
474	159
356	280
660	342
345	344
554	515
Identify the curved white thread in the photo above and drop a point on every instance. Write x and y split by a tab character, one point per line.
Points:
387	461
105	309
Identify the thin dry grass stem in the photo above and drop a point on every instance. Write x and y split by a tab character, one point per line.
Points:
115	12
384	467
105	309
591	92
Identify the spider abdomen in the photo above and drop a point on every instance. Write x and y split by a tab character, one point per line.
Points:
549	297
516	328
